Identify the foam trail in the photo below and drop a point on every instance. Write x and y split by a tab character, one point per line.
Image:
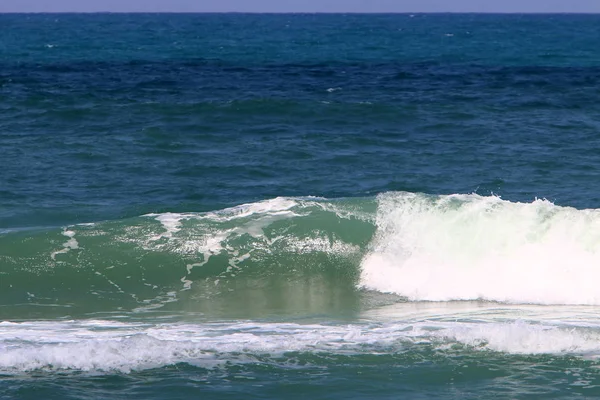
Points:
467	247
109	346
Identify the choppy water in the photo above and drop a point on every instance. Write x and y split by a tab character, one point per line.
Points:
282	206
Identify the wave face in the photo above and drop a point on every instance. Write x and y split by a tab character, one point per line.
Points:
280	254
311	255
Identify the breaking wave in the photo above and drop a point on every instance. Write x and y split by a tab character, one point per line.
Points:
308	254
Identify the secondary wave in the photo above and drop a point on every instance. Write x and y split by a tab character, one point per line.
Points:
119	346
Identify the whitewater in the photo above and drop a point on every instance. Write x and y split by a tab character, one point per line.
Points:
400	272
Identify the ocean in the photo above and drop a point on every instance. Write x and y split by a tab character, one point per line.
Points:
225	206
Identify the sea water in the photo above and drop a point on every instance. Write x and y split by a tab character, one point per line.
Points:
292	206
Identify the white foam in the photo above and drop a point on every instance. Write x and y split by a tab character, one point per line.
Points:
70	244
276	206
108	346
320	244
171	222
462	247
524	338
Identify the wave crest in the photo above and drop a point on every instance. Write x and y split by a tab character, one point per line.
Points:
467	247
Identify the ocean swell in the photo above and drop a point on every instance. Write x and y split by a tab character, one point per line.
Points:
308	255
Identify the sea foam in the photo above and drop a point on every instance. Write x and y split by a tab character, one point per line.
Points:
467	247
108	347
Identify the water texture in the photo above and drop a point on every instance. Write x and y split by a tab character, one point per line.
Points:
282	206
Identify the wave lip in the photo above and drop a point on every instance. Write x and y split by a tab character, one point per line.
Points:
470	247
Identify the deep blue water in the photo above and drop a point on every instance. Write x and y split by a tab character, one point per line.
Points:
369	205
106	116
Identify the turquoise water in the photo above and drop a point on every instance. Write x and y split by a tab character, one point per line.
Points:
283	206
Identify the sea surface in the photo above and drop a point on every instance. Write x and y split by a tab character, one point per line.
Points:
299	206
